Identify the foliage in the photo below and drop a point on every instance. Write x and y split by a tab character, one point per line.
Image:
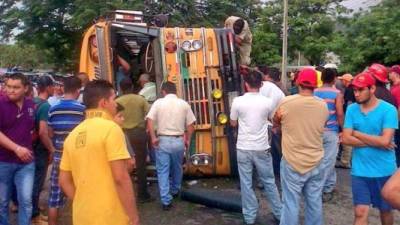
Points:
208	13
25	56
57	25
53	25
372	36
311	28
315	28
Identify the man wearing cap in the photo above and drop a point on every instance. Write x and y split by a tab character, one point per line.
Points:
42	144
243	37
58	91
394	77
345	156
380	73
302	118
251	112
369	127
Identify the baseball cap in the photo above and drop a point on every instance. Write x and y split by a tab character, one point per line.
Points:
379	72
330	65
307	77
45	81
396	69
346	77
363	80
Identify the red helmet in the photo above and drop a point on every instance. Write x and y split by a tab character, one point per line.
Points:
379	71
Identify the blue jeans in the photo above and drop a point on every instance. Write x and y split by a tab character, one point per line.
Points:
331	148
22	176
41	165
294	185
169	158
262	161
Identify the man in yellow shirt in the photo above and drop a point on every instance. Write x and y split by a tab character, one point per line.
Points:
93	169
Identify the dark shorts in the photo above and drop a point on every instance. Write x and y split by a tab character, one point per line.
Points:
367	191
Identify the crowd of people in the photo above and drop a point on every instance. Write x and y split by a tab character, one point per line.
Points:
358	115
91	166
93	139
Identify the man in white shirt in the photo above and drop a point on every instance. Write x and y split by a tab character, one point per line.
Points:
269	89
148	91
175	124
251	111
272	91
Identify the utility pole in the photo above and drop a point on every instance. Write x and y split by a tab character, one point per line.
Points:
285	43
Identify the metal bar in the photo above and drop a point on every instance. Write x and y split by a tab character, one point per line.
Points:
199	84
152	31
210	102
178	61
285	43
102	48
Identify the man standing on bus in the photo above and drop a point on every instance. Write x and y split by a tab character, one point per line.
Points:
251	112
243	37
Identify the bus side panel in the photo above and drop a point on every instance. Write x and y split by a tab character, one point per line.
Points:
96	55
87	63
222	150
172	59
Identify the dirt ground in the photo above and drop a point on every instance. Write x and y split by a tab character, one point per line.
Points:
337	212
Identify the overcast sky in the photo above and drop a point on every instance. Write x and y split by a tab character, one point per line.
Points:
357	4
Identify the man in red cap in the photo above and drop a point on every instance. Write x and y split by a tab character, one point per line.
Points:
394	77
302	118
369	127
380	73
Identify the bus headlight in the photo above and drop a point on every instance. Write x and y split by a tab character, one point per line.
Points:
197	44
222	118
217	93
186	45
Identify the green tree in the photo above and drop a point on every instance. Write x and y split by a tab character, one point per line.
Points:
370	36
23	55
208	13
57	25
311	28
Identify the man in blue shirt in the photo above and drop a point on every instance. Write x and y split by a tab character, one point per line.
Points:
369	127
63	118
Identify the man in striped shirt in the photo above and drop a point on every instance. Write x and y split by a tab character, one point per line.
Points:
334	101
63	118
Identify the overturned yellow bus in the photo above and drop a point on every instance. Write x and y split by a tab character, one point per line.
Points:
200	61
